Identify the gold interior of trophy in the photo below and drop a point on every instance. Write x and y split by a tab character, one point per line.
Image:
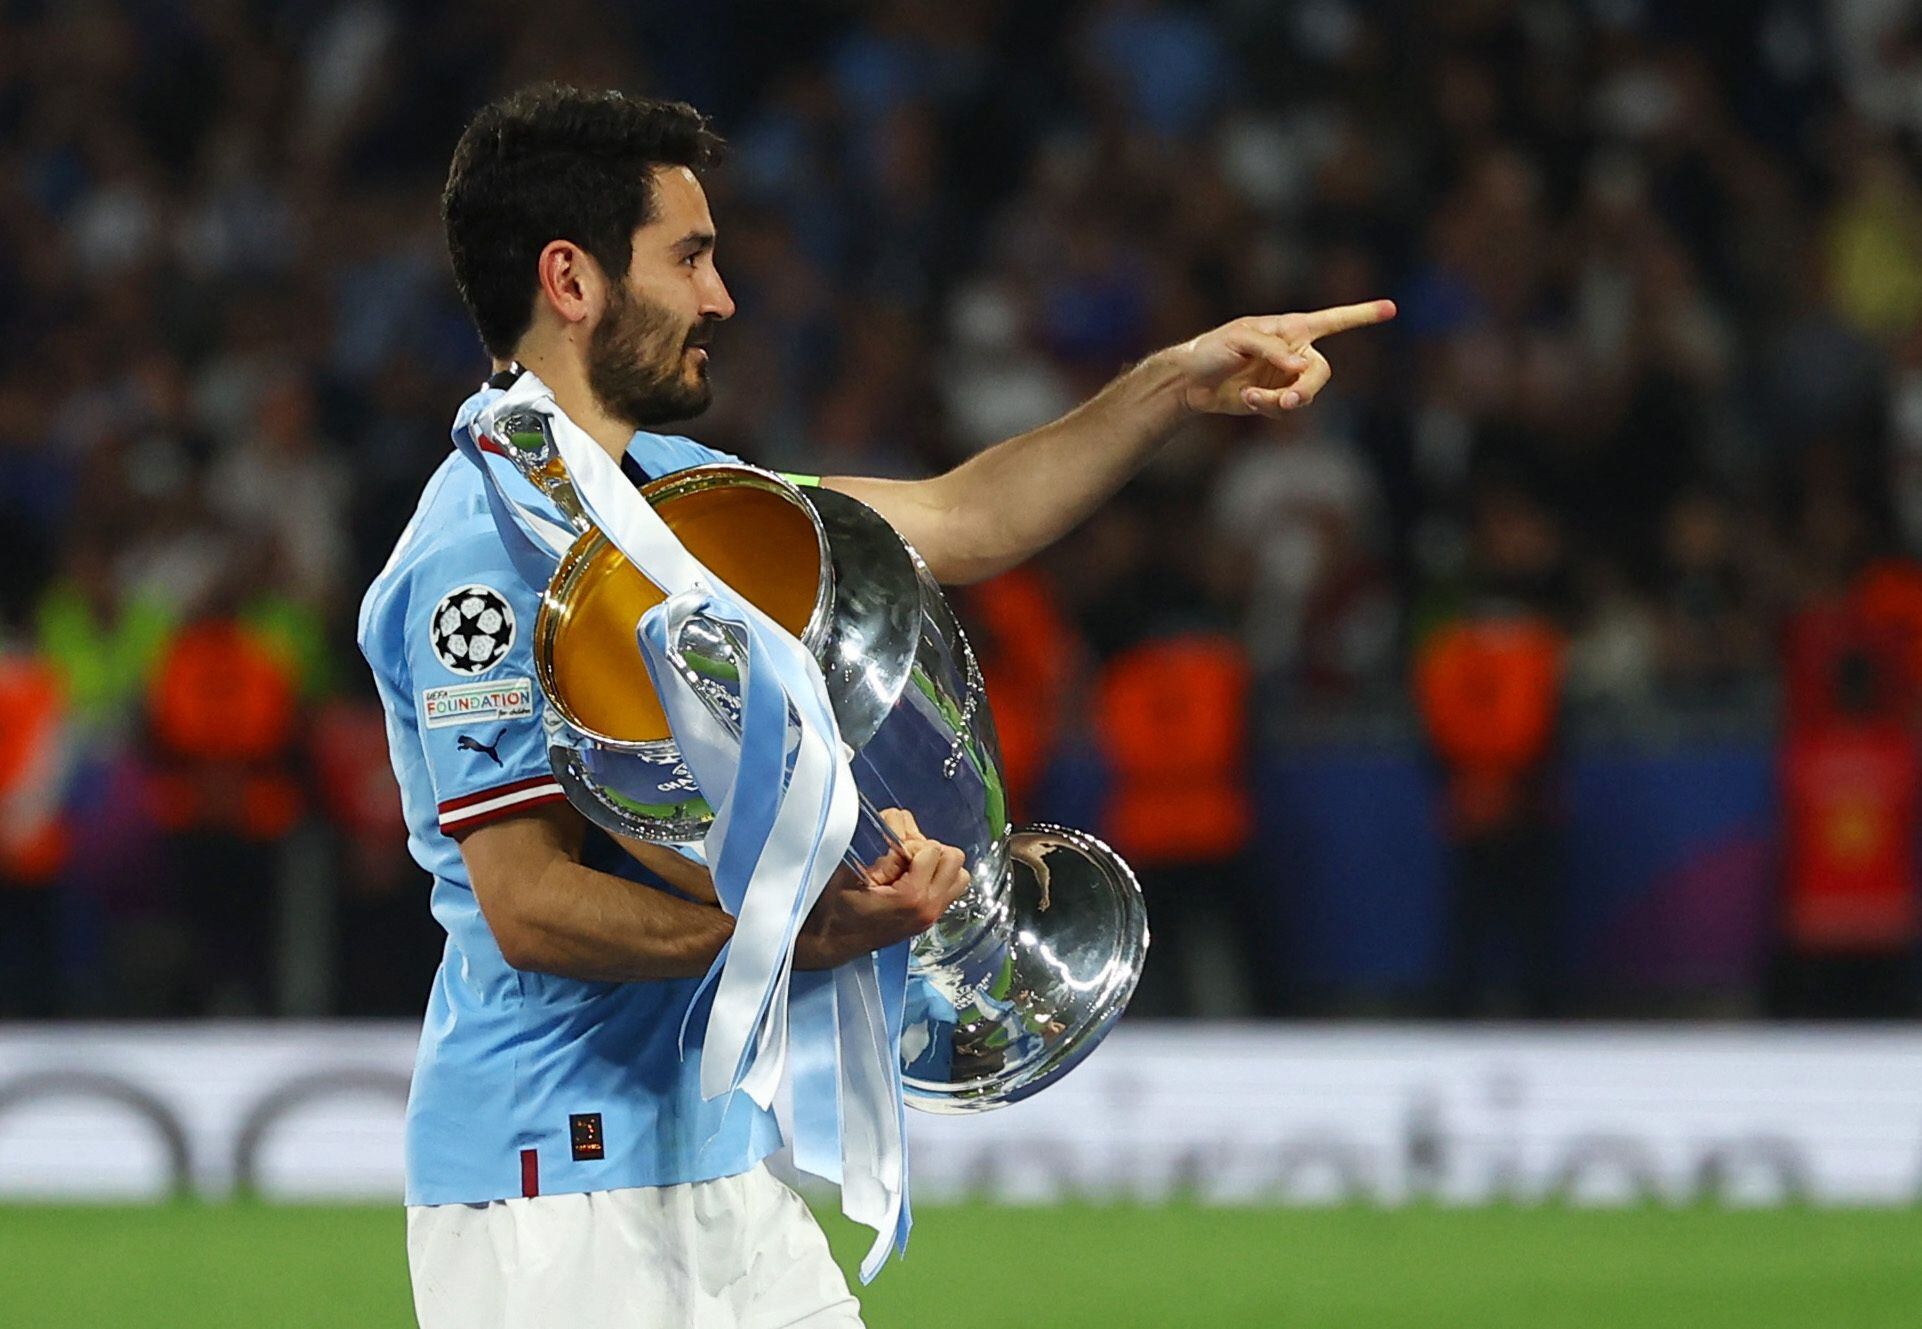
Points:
759	540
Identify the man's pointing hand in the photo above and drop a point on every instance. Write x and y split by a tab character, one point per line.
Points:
1265	364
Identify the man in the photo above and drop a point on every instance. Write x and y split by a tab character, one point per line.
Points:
562	1166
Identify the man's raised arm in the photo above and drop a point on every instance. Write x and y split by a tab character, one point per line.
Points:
1013	500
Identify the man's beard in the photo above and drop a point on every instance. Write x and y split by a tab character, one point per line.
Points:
637	364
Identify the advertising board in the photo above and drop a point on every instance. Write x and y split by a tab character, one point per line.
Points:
1227	1114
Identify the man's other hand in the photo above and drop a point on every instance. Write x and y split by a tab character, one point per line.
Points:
900	895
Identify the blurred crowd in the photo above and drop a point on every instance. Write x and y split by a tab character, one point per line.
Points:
1654	397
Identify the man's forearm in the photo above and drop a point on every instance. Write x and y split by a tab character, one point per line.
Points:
579	923
683	874
1029	491
1021	495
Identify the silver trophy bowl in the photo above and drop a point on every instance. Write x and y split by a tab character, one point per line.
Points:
1024	974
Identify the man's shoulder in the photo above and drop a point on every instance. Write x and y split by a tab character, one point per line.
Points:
663	454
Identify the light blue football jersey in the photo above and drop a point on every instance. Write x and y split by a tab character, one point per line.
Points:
525	1083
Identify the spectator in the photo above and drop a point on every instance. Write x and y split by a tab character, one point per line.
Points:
1852	778
225	724
1489	685
35	832
103	642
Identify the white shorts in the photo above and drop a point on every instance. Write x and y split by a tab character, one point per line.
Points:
738	1253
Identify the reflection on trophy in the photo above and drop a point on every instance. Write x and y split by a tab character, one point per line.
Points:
1024	974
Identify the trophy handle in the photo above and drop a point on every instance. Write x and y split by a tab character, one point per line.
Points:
1025	974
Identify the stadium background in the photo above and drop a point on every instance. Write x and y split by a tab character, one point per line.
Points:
1561	667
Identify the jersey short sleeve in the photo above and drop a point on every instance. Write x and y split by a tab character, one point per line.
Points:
470	657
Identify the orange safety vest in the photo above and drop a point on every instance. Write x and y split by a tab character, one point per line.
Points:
354	777
1888	597
1172	716
1489	691
224	709
1027	652
35	838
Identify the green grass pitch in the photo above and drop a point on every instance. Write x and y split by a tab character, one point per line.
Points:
250	1266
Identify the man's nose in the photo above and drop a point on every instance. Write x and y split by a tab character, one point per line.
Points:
716	303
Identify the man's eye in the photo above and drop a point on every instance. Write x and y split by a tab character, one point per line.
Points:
692	258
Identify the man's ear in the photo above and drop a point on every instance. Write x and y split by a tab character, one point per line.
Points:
571	282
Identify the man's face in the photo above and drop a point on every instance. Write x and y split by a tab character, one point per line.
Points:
647	357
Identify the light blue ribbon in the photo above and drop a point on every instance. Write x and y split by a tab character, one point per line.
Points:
767	788
848	1108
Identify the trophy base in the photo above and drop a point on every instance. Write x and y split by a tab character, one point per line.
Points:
1037	987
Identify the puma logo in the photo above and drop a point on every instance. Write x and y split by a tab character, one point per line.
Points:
467	744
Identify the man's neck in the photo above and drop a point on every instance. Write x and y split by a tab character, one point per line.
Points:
571	393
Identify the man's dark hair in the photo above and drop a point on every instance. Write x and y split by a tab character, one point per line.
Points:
550	162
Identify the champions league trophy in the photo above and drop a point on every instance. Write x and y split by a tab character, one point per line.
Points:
1024	974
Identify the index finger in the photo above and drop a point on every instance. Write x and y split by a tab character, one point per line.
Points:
1340	318
902	823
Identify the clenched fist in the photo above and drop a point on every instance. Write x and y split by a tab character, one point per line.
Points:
899	896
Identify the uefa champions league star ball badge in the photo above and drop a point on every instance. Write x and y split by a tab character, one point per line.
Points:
473	629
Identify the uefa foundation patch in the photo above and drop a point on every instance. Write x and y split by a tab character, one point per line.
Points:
465	703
